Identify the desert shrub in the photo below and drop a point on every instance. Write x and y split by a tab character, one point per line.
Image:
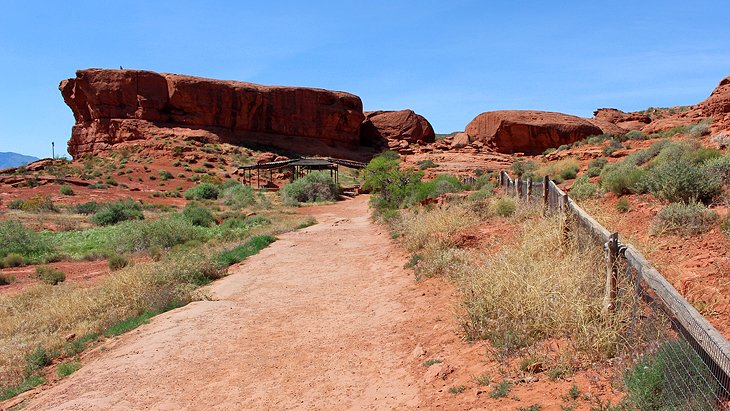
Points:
50	275
642	156
442	184
569	173
165	175
721	139
245	250
13	260
203	191
433	230
208	165
392	187
118	211
563	147
117	262
238	196
6	279
684	219
672	378
599	138
622	178
698	130
635	135
17	239
623	205
424	164
312	187
164	233
39	203
553	170
523	168
612	148
67	190
16	204
681	180
598	163
593	172
719	167
198	215
583	189
505	207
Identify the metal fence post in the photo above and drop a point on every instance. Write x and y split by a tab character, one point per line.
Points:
611	252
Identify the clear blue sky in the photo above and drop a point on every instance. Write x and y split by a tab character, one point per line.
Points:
447	60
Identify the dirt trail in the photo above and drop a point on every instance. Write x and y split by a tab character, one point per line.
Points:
313	321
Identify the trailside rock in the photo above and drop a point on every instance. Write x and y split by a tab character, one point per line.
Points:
526	131
381	126
114	106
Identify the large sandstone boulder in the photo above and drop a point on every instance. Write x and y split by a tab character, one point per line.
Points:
530	132
380	127
718	104
114	106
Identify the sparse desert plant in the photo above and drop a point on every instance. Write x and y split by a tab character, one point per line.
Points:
238	196
15	238
13	260
719	167
50	275
39	203
623	205
312	187
165	175
117	262
583	189
16	204
432	361
203	191
457	389
118	211
523	168
6	279
67	190
501	390
622	178
613	147
483	379
67	368
698	130
505	206
681	180
598	163
721	139
684	219
424	164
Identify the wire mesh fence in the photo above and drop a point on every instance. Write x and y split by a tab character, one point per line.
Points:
672	358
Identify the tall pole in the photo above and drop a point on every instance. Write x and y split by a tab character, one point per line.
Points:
53	149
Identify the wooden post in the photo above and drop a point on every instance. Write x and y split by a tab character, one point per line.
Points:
545	195
517	186
611	252
529	188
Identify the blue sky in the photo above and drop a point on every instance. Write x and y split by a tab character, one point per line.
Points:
447	60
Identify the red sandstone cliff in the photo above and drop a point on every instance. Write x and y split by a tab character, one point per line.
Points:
114	106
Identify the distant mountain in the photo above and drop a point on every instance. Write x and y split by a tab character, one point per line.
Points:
8	160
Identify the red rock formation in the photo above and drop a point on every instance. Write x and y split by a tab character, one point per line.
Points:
626	121
529	132
718	104
114	106
381	126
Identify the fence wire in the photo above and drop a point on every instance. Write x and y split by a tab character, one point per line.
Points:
670	359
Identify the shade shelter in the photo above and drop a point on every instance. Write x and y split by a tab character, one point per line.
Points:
299	167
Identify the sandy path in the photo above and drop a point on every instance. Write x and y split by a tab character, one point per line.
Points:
314	321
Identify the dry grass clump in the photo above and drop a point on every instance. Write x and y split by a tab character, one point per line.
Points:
433	230
542	288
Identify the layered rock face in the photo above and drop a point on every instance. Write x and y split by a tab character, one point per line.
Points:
626	121
115	106
381	126
529	132
717	105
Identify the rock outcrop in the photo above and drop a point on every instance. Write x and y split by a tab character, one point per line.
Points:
115	106
380	127
626	121
529	132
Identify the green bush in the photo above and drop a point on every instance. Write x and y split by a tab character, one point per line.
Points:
165	175
39	203
67	190
16	238
197	215
569	173
623	205
16	204
13	260
523	168
681	180
698	130
392	186
86	208
622	178
593	172
50	275
203	191
719	167
135	236
6	279
673	378
583	189
442	184
684	219
117	262
642	156
238	196
505	207
598	163
119	211
315	186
